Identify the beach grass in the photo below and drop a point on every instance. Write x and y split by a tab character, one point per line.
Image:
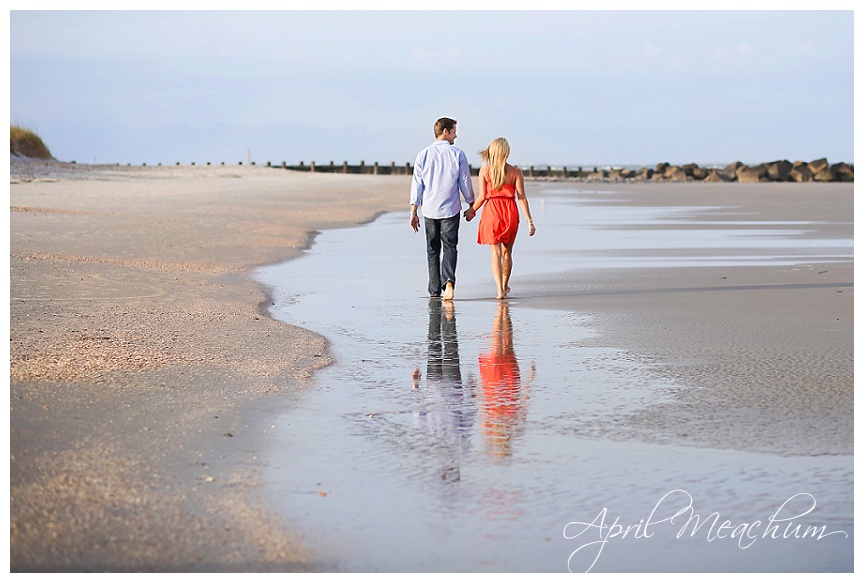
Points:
25	142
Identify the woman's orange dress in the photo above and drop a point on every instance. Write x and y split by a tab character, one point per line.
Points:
500	219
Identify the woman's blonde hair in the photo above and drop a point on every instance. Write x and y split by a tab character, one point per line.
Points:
495	155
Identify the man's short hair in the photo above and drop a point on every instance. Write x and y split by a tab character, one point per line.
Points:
444	124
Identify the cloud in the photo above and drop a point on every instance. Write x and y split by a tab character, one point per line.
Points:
651	51
743	49
432	59
726	55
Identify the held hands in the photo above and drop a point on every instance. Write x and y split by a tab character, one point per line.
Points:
469	213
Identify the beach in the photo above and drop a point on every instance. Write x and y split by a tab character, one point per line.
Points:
146	369
136	344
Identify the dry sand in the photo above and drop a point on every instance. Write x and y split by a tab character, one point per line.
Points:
144	368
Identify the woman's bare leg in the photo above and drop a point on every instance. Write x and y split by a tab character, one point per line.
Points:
495	251
506	267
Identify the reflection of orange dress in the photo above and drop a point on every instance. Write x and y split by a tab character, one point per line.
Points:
500	219
499	375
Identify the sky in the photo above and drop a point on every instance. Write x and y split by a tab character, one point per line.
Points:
573	88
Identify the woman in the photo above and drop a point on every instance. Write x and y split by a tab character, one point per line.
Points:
501	185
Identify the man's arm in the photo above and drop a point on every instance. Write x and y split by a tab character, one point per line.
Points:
417	189
465	184
414	220
478	201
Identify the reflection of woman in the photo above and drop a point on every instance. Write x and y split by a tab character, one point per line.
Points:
501	185
503	398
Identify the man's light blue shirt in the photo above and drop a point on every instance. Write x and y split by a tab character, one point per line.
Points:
441	171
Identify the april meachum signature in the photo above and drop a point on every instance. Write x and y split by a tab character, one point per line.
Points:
781	524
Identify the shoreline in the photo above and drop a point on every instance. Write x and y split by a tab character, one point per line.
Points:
145	467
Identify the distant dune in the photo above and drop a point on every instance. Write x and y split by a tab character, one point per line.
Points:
26	143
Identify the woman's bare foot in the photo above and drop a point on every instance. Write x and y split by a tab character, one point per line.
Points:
448	291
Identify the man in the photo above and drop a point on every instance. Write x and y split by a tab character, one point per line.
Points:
441	172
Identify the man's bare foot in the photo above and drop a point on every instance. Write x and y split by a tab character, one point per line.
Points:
448	291
449	309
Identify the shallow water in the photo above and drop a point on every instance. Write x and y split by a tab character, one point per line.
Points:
446	436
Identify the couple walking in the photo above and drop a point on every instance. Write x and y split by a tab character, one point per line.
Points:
441	172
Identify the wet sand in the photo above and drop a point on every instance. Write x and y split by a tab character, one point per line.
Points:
573	395
145	371
767	350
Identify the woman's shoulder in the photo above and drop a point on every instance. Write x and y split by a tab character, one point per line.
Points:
513	171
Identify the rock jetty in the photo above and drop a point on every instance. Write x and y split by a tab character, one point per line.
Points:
778	171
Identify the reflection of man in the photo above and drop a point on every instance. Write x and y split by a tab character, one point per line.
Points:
441	171
447	410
